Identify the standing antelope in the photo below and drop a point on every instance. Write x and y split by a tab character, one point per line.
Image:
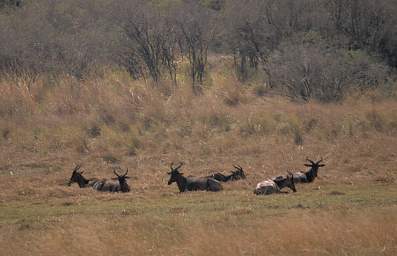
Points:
192	183
271	186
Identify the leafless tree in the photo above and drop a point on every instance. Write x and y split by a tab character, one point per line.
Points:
149	38
197	28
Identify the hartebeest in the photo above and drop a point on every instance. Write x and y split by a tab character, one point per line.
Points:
77	177
122	185
271	186
311	174
235	175
192	183
100	185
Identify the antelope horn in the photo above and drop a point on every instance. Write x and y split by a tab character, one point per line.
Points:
114	171
238	167
172	165
125	174
179	166
77	168
307	159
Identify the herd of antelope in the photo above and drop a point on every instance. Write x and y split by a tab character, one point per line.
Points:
208	183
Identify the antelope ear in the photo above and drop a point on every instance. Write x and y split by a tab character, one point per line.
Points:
321	165
308	165
127	177
169	173
181	173
114	178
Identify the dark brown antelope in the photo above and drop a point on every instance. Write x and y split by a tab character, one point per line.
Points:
239	173
271	186
311	174
100	185
192	183
77	177
235	175
121	186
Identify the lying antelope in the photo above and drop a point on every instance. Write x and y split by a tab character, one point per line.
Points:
311	174
192	183
235	175
271	186
100	185
77	177
121	186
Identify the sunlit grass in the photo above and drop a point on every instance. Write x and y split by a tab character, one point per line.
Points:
205	205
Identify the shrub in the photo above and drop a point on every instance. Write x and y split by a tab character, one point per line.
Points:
308	71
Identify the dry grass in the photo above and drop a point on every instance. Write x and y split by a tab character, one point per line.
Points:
47	126
358	220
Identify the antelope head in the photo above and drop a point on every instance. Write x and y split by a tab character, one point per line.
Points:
174	173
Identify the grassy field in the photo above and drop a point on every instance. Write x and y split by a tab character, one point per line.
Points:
46	127
318	220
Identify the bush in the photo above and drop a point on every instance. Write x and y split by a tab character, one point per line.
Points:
305	49
318	71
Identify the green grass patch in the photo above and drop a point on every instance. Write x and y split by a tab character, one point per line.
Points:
204	205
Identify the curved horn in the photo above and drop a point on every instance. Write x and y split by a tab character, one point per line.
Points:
320	160
238	167
114	171
172	165
125	174
77	168
307	159
179	166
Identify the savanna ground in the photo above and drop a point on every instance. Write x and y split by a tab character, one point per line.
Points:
110	120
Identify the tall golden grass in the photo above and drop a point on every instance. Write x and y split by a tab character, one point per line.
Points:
49	125
114	119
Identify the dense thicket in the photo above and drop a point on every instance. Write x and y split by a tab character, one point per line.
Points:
302	48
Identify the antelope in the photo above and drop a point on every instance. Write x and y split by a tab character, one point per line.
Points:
192	183
77	177
122	185
311	174
271	186
99	185
235	175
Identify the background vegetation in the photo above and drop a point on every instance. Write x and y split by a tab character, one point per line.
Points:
304	49
140	84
